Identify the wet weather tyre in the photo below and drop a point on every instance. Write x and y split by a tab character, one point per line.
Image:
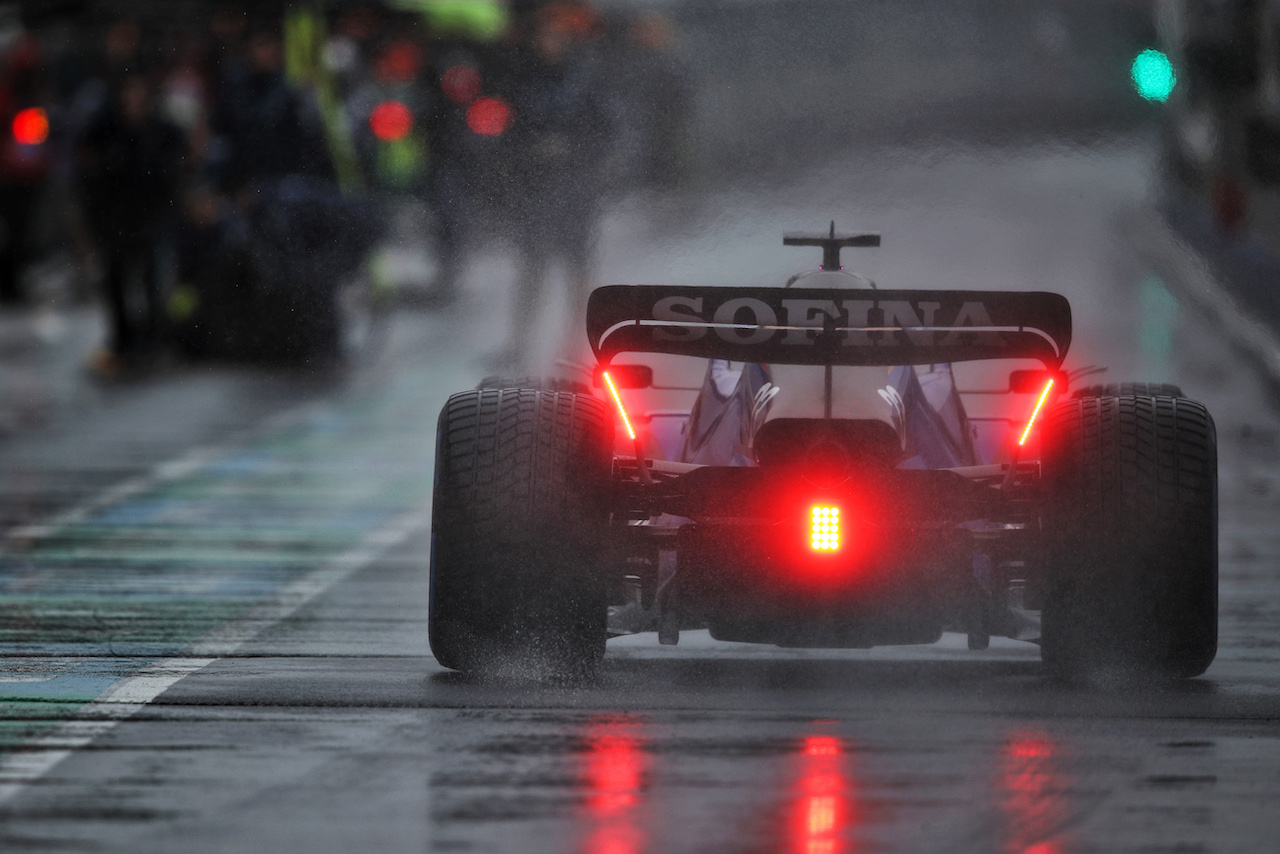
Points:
520	507
1131	522
1129	390
541	383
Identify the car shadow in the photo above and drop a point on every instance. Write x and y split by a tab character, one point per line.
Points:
764	682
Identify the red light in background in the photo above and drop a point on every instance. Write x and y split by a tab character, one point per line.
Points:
615	769
617	401
399	62
31	126
825	529
460	84
489	116
1044	395
390	121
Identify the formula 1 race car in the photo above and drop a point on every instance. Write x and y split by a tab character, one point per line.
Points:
826	484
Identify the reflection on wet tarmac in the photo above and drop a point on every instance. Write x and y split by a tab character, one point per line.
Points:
824	798
1033	800
615	763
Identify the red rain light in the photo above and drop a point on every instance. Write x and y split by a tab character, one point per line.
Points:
31	126
1044	395
824	528
390	121
489	116
617	401
460	84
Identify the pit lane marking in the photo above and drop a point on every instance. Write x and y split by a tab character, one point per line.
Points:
23	536
33	759
1194	279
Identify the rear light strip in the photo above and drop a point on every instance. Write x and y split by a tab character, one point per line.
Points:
1044	396
617	401
641	466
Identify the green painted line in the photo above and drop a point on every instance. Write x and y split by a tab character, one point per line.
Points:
138	581
181	555
23	721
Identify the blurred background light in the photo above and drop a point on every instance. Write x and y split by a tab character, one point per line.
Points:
489	116
30	126
390	120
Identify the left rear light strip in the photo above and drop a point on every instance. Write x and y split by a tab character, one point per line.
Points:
617	401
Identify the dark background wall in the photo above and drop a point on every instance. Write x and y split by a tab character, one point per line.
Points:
780	80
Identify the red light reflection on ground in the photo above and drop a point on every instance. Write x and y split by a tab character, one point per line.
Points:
614	773
1033	795
825	807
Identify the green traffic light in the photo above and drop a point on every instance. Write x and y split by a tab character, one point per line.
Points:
1153	75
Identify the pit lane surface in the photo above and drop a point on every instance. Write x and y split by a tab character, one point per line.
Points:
273	582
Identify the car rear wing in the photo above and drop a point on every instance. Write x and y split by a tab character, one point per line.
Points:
819	326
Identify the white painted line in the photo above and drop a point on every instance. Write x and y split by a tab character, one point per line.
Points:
23	536
37	757
1193	278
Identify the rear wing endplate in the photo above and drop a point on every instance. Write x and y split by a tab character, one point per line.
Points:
813	326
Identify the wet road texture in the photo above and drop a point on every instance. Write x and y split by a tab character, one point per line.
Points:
213	593
222	646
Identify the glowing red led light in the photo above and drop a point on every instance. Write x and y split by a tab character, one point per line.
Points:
460	84
390	121
1044	395
824	528
617	401
31	126
489	116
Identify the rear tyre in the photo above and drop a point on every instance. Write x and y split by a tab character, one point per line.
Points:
1129	390
1132	538
520	506
541	383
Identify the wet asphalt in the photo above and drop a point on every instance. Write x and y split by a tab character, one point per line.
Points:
320	721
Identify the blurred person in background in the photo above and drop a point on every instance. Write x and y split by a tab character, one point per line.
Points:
131	171
655	88
462	159
560	140
286	223
270	129
184	88
25	159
